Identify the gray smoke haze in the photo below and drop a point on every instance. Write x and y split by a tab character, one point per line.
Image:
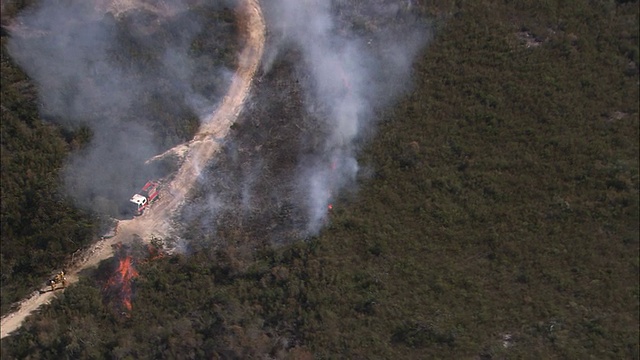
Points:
128	74
109	70
357	58
273	183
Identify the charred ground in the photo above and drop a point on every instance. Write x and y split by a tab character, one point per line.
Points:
264	153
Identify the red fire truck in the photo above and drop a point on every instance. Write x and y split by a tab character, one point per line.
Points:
149	193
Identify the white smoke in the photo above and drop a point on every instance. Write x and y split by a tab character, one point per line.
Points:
106	70
351	73
356	58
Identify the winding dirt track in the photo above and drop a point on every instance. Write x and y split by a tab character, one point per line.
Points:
196	155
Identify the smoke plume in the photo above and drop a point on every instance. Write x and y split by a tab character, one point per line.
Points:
133	72
357	58
140	75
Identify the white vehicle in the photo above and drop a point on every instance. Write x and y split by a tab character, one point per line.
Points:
149	193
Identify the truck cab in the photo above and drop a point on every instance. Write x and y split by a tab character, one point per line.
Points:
140	202
147	195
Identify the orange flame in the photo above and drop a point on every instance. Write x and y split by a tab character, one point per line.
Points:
121	280
120	284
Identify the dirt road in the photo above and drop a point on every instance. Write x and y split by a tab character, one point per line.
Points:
196	155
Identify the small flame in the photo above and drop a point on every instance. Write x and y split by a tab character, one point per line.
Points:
333	166
154	254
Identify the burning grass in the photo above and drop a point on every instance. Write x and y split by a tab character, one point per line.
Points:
119	287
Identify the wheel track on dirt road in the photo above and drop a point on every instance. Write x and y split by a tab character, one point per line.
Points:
196	155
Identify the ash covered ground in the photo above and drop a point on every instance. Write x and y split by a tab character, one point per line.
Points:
250	192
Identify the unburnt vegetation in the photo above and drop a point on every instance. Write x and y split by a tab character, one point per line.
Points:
498	219
40	228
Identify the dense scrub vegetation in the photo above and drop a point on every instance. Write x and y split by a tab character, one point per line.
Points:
40	229
500	220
